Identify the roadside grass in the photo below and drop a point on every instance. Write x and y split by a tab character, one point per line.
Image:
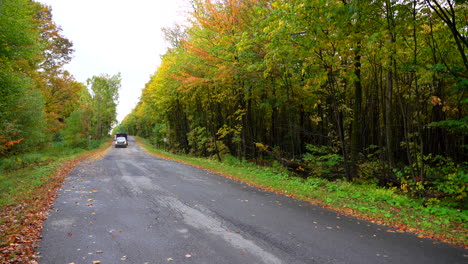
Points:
21	175
365	201
28	187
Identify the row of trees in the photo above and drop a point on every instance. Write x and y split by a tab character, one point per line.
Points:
374	89
96	113
37	95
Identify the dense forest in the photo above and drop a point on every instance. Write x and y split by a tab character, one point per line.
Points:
360	90
40	102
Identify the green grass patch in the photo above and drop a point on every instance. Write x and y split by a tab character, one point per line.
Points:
21	175
364	200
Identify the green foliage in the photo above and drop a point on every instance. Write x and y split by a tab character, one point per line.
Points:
201	144
22	120
198	141
75	133
443	181
36	94
105	95
458	126
79	128
323	162
159	134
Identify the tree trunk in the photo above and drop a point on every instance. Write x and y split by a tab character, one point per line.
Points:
356	135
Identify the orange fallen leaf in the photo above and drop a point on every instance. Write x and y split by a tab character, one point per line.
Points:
114	235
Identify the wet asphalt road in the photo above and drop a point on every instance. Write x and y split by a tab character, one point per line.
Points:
132	207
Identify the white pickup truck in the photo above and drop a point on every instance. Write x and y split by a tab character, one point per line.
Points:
121	140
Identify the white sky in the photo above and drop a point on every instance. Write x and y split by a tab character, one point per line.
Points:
111	36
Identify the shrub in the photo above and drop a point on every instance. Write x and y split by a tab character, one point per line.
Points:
442	181
321	161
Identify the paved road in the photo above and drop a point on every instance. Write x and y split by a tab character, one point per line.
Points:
131	207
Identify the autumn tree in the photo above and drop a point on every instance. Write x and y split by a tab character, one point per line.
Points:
60	90
22	120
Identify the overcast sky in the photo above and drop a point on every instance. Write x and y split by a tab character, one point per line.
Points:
111	36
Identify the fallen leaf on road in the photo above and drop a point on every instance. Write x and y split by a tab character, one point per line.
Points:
89	200
329	227
120	230
70	234
169	259
99	251
238	231
90	204
390	231
114	235
96	261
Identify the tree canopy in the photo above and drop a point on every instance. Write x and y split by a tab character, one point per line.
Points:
37	95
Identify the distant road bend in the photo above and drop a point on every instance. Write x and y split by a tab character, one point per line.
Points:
132	207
